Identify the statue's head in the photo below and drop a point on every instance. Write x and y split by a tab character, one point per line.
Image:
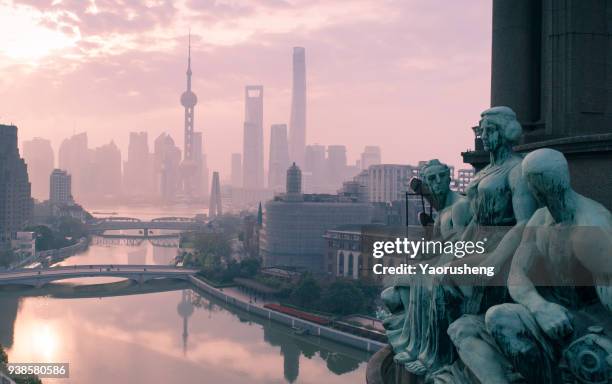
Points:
498	127
437	177
547	176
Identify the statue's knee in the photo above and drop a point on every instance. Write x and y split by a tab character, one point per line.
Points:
391	298
465	327
505	322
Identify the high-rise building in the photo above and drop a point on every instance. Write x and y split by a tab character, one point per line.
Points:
253	161
74	157
214	206
279	156
138	169
297	138
16	204
200	178
388	182
370	156
40	159
236	178
315	169
336	166
166	163
60	187
106	170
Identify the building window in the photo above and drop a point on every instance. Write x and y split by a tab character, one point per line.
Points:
341	264
350	265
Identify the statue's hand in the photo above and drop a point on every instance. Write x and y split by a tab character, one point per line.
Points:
554	319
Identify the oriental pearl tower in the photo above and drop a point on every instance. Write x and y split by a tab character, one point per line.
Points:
188	101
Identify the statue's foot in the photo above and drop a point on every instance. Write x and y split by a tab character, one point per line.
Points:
416	367
403	358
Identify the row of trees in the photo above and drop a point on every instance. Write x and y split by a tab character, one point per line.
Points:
61	233
341	297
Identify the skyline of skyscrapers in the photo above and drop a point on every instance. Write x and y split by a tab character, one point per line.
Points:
279	156
297	122
253	155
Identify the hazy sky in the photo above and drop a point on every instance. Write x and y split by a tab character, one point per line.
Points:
409	75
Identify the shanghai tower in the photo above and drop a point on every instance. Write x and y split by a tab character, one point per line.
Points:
297	125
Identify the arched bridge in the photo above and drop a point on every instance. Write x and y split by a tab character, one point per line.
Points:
124	223
138	273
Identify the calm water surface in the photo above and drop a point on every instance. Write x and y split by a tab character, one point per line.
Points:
113	331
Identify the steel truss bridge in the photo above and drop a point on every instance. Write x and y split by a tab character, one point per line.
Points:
161	223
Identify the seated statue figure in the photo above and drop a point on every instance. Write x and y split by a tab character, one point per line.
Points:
569	237
500	204
408	298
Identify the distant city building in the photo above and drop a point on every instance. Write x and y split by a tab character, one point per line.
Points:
343	252
336	166
60	187
74	157
253	156
389	182
236	177
315	169
16	204
166	164
105	170
294	224
215	208
138	168
279	156
200	178
297	139
464	177
40	159
370	156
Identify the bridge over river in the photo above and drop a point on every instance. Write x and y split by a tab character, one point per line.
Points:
140	273
161	223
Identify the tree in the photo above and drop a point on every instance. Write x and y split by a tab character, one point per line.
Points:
249	267
307	291
211	249
343	297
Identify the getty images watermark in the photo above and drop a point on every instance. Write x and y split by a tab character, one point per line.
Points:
425	248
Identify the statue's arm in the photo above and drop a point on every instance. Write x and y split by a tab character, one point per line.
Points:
523	202
461	215
520	286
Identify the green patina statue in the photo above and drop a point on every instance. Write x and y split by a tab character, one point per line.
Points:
569	236
546	324
409	298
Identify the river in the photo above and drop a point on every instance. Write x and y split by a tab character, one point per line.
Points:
113	331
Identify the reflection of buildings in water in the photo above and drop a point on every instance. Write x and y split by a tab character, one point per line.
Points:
138	257
185	310
288	348
8	315
291	346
